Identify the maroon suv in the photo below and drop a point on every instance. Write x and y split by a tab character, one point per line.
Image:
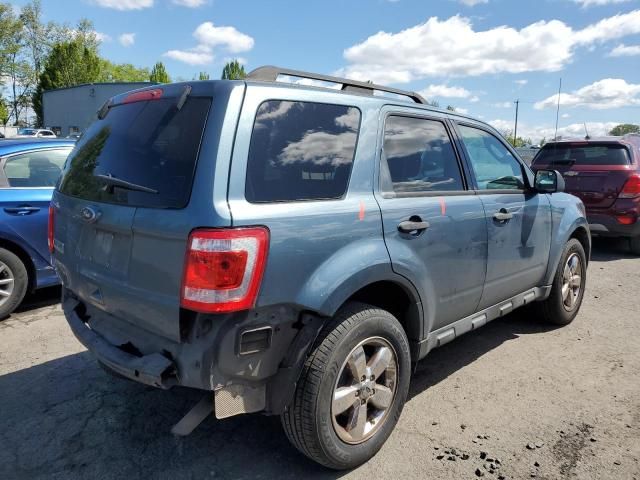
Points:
605	174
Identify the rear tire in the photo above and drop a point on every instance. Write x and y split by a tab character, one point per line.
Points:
567	290
336	419
14	281
634	245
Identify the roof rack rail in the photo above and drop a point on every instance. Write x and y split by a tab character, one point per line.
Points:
270	73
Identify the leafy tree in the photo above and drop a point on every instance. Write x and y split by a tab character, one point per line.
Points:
69	63
433	103
4	112
517	142
624	128
542	142
122	72
159	74
233	70
451	108
203	76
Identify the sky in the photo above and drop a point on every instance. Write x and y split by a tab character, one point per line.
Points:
477	55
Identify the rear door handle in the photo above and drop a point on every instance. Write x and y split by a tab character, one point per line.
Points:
410	226
503	215
25	210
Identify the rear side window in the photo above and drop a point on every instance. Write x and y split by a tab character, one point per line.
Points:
419	156
35	169
151	144
589	154
301	151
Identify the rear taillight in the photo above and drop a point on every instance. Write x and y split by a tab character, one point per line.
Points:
50	228
223	269
631	188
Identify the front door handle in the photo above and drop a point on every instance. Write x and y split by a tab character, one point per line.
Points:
503	215
24	210
411	226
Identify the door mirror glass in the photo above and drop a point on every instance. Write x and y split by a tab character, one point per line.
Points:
549	181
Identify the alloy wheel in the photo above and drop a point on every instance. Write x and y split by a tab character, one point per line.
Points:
7	282
571	282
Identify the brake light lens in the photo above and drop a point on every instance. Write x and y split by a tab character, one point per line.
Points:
223	269
143	96
631	188
626	219
50	228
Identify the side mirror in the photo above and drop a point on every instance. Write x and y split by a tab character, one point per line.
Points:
549	181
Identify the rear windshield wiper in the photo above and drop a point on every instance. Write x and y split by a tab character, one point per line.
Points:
112	181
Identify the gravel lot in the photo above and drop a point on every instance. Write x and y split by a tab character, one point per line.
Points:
543	402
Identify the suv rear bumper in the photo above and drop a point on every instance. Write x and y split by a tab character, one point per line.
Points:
607	225
212	355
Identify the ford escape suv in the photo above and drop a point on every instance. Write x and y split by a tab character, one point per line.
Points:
605	174
293	249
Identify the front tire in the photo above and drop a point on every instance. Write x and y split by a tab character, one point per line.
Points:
352	388
567	290
14	280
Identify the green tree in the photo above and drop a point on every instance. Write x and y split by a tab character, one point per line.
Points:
233	70
121	72
624	128
203	76
542	142
451	108
69	63
159	74
4	112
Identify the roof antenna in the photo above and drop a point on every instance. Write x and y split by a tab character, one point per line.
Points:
558	110
586	137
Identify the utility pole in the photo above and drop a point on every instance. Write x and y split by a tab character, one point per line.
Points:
515	130
555	137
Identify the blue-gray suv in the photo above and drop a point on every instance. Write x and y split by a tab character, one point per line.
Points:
293	249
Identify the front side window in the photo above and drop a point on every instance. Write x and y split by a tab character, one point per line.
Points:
301	151
494	166
419	156
35	169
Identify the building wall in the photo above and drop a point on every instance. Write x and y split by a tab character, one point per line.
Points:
67	108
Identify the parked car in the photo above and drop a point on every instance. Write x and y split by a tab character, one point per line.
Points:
29	170
605	174
35	133
293	249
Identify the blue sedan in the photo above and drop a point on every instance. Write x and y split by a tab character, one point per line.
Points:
29	170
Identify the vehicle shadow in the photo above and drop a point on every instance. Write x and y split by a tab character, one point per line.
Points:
608	249
67	418
44	297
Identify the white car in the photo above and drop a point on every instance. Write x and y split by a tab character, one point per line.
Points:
35	132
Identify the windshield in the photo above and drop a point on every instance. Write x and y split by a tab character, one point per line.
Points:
583	154
151	144
26	131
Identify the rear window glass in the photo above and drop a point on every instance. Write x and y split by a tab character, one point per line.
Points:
301	151
152	144
592	154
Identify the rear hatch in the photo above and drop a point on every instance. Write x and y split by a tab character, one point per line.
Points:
593	171
120	227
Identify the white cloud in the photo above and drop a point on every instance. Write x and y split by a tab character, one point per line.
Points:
521	82
451	47
445	91
597	3
124	4
189	3
502	105
600	95
472	3
565	115
537	133
463	111
227	37
623	50
102	37
209	38
127	39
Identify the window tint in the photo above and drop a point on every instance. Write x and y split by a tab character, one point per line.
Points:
592	154
419	156
151	144
494	166
35	169
301	151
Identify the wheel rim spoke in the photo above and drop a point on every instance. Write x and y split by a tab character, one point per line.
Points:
6	281
4	293
357	421
576	281
358	363
382	398
380	361
343	399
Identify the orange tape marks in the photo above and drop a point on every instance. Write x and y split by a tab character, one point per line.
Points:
443	206
361	214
